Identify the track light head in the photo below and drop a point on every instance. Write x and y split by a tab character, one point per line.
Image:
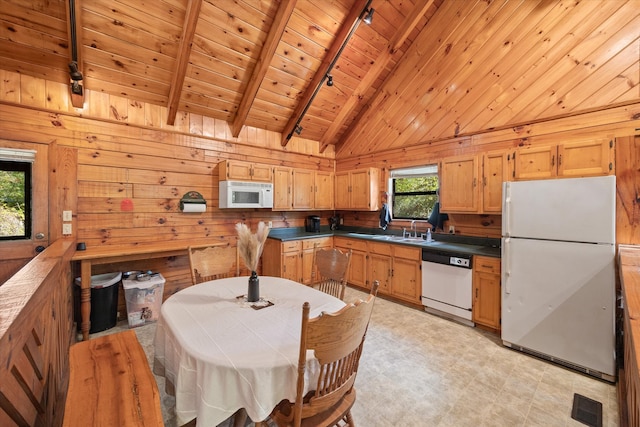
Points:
73	71
329	80
298	129
369	16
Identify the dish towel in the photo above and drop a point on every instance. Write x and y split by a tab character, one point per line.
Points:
436	218
385	216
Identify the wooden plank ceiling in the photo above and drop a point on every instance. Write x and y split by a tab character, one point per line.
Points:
424	70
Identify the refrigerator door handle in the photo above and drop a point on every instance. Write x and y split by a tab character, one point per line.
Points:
506	267
506	209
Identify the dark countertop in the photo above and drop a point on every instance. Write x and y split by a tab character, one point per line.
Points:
441	242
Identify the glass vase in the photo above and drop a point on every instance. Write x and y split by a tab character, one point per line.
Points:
253	292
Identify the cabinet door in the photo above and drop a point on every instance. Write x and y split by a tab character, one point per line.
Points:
282	189
307	263
494	173
342	188
486	291
360	182
535	163
486	299
323	190
238	171
380	269
405	280
290	266
261	172
459	184
302	189
358	268
585	158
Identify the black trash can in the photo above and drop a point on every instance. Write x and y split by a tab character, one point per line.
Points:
104	301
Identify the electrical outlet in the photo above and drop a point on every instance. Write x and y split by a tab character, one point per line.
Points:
270	224
67	215
452	229
66	229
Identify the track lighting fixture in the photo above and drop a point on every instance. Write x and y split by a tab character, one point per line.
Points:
329	80
73	71
369	16
298	129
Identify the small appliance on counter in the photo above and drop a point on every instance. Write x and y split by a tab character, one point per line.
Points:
312	224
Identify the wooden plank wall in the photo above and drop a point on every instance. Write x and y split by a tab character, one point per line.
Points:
116	150
619	124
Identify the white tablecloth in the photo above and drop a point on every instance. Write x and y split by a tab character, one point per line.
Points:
222	355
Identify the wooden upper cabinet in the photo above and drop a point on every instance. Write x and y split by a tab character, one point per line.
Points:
342	194
357	189
572	159
585	158
302	189
459	184
495	170
323	190
535	163
282	188
233	170
303	184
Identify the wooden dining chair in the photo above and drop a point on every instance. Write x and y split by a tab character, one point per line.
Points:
214	261
336	340
329	271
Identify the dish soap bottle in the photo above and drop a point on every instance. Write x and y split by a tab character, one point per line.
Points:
428	234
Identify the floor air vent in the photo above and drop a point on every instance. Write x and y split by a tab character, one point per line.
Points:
587	411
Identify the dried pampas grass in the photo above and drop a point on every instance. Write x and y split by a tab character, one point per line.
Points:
250	245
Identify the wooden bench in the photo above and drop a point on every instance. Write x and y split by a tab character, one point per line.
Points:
111	384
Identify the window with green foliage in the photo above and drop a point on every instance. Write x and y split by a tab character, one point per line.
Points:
15	200
414	192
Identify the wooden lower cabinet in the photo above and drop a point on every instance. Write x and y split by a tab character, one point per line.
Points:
406	282
357	274
379	266
486	292
397	268
291	259
307	255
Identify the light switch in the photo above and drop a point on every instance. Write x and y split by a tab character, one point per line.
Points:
67	215
66	229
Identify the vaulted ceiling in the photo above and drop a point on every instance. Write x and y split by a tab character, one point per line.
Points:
423	70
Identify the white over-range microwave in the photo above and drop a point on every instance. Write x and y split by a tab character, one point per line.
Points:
240	194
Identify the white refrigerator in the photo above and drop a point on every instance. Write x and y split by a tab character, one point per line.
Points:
558	271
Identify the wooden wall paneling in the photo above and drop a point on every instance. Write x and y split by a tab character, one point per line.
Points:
63	188
628	187
32	91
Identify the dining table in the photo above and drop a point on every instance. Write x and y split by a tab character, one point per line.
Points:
220	354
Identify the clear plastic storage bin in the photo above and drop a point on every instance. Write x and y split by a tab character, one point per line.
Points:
143	296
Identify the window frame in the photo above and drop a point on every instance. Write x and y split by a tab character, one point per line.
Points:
27	168
412	172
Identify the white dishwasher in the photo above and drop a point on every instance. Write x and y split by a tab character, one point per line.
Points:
447	285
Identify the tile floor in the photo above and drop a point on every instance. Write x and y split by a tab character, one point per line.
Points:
421	370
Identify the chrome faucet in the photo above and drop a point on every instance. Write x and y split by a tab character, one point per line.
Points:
414	227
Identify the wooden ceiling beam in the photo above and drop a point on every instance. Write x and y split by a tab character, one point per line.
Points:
351	21
262	66
411	20
182	60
